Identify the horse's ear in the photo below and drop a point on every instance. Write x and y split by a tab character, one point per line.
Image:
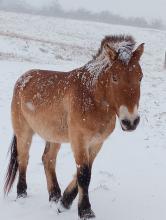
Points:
138	52
110	51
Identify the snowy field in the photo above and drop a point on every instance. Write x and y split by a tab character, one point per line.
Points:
129	175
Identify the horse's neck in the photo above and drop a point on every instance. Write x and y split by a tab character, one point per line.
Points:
97	85
97	65
92	70
101	90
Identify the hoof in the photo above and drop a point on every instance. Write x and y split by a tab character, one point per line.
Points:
61	208
86	214
22	195
65	204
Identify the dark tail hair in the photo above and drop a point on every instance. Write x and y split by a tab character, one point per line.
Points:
12	167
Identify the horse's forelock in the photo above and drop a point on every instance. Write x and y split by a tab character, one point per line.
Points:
122	44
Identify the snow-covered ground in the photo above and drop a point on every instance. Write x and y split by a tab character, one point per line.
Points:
129	174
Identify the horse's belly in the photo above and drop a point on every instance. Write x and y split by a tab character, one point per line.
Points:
53	134
52	130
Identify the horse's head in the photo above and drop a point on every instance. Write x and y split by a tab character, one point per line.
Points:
126	75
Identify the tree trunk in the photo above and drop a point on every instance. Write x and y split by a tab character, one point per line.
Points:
165	61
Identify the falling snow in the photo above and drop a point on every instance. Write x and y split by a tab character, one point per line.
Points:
128	178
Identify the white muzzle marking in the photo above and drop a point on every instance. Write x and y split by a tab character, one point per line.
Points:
124	114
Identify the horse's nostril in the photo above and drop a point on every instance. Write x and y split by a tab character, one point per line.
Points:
136	121
126	123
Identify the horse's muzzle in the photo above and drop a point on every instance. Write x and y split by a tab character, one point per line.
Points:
128	125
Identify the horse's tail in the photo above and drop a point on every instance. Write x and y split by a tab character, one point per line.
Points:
12	167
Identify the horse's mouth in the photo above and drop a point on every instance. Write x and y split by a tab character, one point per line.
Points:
128	129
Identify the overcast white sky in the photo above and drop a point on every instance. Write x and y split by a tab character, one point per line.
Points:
146	8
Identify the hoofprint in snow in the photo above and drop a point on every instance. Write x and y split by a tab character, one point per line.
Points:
128	178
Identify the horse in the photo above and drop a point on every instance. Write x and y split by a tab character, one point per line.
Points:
79	107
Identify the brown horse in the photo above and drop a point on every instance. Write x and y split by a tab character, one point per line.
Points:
79	107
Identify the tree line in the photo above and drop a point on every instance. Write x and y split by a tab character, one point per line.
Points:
55	9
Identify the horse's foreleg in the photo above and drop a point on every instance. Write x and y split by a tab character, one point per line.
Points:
71	191
81	155
93	151
49	161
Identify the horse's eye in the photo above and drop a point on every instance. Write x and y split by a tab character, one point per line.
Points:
114	78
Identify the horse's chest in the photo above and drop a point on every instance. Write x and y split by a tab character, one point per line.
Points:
103	130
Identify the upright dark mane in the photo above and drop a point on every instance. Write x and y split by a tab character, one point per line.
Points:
123	45
117	42
117	39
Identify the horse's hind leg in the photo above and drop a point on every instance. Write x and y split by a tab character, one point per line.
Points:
49	161
70	193
24	138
